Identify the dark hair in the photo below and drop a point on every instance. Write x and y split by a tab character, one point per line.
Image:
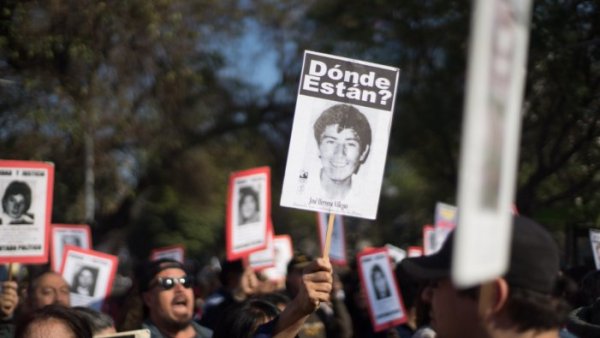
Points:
242	321
76	324
97	321
16	188
248	191
276	298
231	272
346	117
534	310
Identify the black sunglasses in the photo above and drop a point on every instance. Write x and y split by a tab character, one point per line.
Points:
167	283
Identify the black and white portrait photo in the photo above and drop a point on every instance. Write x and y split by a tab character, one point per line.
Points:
16	202
248	205
379	282
343	136
84	281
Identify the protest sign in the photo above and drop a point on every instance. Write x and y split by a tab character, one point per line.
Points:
248	211
397	254
282	246
176	252
26	189
77	235
415	251
429	240
446	217
340	136
595	243
90	274
490	140
378	281
337	254
260	260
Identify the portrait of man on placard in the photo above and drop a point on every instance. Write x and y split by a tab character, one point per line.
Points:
84	281
248	205
16	202
379	282
343	137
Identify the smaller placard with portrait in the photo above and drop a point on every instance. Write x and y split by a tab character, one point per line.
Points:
262	259
248	211
26	189
378	281
90	274
77	235
283	252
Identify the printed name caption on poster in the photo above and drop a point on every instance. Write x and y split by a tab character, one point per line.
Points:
344	81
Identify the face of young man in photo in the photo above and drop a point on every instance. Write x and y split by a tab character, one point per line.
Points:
340	152
173	307
86	278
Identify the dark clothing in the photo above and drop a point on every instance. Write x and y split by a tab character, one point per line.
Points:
328	322
215	307
201	332
7	328
585	321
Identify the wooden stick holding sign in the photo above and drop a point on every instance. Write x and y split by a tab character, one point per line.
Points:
327	245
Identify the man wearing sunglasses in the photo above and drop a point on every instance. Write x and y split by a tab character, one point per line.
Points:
169	301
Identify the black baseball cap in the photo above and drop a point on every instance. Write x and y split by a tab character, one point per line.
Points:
151	268
534	259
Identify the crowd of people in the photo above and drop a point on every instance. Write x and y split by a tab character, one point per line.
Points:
535	298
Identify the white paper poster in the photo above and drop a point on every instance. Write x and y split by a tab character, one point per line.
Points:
340	136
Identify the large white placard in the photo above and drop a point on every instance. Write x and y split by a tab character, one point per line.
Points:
77	235
491	133
340	136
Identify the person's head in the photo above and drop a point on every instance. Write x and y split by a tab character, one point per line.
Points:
248	204
99	322
167	294
53	321
48	288
343	135
379	281
243	320
527	296
17	199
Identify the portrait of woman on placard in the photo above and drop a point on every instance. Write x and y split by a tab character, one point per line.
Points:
248	206
84	281
16	202
379	282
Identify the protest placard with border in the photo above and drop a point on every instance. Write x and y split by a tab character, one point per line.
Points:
337	254
284	252
490	140
340	136
446	217
595	243
26	188
260	260
415	251
78	235
176	252
378	282
397	254
248	211
429	240
90	274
